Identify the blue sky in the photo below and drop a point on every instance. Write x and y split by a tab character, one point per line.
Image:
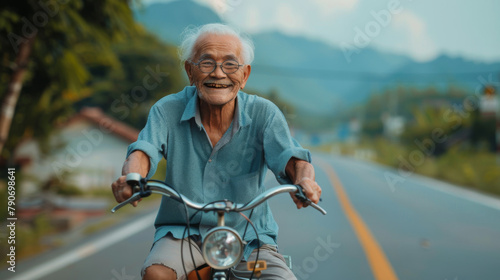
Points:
421	29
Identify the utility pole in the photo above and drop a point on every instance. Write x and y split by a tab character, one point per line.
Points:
497	134
490	110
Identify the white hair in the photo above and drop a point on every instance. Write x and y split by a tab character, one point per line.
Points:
191	35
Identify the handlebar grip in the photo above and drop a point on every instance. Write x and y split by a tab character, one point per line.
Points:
302	197
134	179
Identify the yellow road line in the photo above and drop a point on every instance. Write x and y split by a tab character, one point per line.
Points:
380	265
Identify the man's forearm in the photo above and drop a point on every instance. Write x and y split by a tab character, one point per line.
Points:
137	162
298	169
302	173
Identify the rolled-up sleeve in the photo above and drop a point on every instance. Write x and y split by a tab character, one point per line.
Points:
152	139
280	147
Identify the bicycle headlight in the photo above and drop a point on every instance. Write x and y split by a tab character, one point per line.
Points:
222	248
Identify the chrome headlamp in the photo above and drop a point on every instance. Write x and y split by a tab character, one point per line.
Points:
222	248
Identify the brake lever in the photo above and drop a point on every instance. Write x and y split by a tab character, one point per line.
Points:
138	185
301	196
135	197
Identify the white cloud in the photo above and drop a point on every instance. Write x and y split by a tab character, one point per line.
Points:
263	15
288	19
328	7
325	19
252	18
416	38
222	6
322	6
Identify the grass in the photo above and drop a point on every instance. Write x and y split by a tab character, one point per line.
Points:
480	171
28	239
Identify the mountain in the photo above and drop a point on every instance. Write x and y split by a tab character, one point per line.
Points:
316	77
168	20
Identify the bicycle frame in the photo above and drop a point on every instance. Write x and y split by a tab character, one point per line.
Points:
143	188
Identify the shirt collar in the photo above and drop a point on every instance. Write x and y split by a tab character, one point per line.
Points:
192	110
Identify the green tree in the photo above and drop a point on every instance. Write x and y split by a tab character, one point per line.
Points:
46	48
149	70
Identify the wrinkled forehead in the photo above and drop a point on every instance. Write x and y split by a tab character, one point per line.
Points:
217	47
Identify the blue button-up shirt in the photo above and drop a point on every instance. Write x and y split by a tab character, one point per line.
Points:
234	169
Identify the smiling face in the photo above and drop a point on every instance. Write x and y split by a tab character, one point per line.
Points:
217	88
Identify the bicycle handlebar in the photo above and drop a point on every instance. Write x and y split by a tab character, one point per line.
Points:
144	188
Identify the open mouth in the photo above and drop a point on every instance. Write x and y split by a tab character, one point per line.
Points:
214	85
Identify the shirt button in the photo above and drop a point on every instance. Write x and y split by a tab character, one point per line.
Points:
210	160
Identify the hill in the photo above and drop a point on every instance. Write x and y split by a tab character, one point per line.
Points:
168	20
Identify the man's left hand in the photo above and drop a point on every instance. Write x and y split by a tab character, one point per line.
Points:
302	173
311	190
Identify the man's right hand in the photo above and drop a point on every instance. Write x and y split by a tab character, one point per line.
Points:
122	191
137	162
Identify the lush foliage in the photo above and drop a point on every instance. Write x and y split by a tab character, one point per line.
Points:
68	38
443	131
149	70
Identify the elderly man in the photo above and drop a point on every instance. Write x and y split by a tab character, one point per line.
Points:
219	143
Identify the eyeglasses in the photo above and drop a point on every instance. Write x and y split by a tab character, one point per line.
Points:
208	66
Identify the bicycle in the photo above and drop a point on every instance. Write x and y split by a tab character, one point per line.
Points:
222	247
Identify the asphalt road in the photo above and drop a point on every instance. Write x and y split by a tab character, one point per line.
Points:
380	225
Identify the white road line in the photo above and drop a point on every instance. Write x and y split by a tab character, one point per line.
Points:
87	249
470	195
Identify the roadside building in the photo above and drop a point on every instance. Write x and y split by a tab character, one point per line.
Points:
86	152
